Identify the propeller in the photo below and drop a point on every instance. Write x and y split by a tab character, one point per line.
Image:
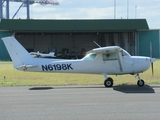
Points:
151	59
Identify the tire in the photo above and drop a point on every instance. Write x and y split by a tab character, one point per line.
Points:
108	82
140	83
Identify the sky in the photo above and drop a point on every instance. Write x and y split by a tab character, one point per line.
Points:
93	9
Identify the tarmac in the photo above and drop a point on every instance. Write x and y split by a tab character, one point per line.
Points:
123	102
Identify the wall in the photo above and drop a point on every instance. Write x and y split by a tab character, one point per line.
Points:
144	40
3	52
76	43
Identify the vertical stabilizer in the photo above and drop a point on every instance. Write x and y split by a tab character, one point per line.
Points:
17	52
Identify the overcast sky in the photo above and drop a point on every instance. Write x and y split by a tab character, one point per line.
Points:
94	9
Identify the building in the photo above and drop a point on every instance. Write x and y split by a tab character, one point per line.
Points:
147	38
71	38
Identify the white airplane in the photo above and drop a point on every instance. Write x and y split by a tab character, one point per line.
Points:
42	55
111	60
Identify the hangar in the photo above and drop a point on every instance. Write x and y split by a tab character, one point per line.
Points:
71	38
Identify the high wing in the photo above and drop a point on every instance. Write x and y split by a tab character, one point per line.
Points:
105	49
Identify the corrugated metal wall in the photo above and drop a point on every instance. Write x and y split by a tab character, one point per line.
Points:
3	52
144	39
46	43
77	42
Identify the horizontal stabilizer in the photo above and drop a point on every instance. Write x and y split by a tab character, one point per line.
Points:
26	67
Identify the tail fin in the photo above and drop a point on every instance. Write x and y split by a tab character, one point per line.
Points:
17	52
53	51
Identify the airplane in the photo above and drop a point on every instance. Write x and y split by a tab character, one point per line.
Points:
112	60
43	55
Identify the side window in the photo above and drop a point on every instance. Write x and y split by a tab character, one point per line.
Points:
90	57
109	56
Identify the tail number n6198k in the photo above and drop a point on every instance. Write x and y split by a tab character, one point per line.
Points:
54	67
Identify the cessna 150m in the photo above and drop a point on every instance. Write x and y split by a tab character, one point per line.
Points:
111	60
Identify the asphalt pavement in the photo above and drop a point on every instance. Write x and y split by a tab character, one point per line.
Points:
123	102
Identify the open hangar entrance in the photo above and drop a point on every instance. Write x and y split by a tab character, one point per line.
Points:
75	45
72	38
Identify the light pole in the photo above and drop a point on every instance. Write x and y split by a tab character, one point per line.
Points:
127	8
1	10
114	9
28	14
135	12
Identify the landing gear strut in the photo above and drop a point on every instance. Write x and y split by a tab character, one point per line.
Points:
108	82
140	82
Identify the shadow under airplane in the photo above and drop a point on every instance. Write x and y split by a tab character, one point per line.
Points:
133	89
119	88
41	88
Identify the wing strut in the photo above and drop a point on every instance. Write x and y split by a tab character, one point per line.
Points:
119	61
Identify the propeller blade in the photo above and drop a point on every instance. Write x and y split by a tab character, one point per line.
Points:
152	69
151	49
151	59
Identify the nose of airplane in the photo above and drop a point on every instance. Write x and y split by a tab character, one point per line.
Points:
152	60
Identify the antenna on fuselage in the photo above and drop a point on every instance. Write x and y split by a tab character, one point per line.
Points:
97	44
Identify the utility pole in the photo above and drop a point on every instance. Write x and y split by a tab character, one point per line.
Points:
28	15
7	9
135	12
114	9
1	9
127	9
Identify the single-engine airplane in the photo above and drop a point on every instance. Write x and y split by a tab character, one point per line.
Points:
111	60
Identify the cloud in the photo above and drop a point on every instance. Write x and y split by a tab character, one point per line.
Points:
93	9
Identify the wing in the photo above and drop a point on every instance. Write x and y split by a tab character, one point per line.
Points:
105	49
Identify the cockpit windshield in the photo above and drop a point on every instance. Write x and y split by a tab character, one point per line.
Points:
90	56
125	53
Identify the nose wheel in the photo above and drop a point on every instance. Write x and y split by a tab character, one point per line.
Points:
140	82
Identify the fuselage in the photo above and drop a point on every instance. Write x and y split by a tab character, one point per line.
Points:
89	65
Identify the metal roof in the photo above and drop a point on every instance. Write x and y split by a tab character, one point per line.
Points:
79	25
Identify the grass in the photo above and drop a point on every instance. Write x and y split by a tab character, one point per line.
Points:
19	78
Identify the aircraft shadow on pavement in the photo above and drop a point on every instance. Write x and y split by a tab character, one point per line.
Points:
119	88
64	87
41	88
133	89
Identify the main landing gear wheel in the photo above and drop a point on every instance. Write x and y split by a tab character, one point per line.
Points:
108	82
140	83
